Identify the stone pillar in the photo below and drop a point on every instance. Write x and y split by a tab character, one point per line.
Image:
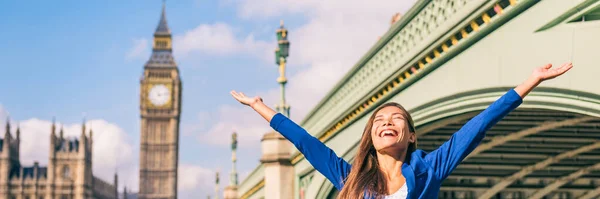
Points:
279	172
230	192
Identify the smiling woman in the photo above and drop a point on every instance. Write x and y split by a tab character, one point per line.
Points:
388	165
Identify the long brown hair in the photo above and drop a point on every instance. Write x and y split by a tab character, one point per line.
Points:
365	178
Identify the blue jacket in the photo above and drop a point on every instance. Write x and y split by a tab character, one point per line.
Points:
424	172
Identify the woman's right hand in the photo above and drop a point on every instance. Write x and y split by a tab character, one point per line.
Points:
240	97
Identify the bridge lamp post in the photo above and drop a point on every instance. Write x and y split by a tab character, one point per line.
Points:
281	53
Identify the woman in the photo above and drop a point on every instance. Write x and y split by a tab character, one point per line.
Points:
387	164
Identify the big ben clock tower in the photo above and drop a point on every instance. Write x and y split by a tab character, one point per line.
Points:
160	108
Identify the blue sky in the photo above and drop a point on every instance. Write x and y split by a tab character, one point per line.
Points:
68	59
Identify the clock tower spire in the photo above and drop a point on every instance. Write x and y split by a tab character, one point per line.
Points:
160	109
162	49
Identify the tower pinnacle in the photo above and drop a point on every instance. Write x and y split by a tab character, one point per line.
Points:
163	28
62	133
83	126
7	127
162	48
53	128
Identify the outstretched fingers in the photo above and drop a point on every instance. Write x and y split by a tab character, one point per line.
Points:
242	98
562	69
236	96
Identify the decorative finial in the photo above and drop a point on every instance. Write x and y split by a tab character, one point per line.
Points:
7	133
83	125
91	133
18	131
53	127
281	23
234	141
61	131
395	18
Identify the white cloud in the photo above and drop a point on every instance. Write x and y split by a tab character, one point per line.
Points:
247	123
193	177
198	182
269	8
139	49
200	124
219	39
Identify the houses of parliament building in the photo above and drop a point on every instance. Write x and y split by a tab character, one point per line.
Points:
68	174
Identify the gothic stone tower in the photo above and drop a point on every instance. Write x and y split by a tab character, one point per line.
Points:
9	159
160	108
70	163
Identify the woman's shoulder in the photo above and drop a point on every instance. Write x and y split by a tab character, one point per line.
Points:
417	162
417	158
418	153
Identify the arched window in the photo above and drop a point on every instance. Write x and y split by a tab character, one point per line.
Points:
66	172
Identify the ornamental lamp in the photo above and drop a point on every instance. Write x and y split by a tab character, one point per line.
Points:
282	43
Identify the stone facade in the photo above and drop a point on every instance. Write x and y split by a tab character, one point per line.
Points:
68	174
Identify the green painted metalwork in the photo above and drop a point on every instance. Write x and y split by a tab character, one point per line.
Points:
233	177
569	14
281	54
590	15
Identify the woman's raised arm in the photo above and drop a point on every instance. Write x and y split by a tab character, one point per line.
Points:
541	74
449	155
256	103
320	156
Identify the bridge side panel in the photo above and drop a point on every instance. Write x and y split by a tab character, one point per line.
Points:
507	56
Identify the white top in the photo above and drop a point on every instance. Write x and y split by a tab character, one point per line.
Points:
400	194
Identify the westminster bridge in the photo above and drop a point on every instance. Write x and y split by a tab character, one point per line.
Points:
447	60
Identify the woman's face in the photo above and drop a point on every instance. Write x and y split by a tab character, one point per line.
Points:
390	130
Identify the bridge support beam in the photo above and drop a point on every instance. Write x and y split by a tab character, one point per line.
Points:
562	181
540	165
591	194
497	141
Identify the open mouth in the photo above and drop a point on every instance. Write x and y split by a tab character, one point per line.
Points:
388	133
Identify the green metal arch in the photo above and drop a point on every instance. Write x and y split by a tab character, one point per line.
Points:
477	100
325	189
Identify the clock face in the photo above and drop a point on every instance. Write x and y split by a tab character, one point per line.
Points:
159	95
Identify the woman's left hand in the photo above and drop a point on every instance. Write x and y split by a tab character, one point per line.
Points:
539	75
547	72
